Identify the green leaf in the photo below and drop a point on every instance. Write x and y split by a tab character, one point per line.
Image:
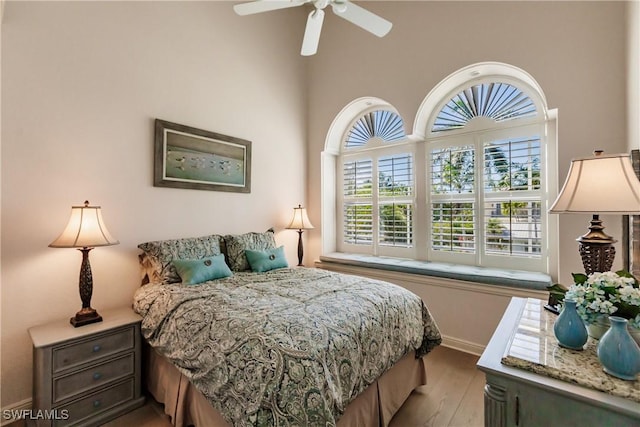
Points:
557	287
626	310
579	278
557	291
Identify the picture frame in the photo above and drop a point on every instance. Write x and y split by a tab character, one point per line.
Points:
197	159
631	230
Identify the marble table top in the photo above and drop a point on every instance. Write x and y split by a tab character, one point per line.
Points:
534	347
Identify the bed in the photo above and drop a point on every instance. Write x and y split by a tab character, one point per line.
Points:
262	344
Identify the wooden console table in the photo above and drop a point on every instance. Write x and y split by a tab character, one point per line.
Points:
532	381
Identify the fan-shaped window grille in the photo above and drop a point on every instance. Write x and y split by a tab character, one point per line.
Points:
382	124
497	101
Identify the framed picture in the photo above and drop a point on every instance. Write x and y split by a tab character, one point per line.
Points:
631	230
187	157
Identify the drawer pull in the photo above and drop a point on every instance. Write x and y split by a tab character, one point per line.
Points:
96	403
97	376
96	348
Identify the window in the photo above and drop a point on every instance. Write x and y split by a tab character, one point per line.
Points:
486	198
377	186
452	199
385	125
495	100
470	186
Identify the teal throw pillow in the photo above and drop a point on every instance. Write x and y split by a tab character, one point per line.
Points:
261	261
236	244
194	271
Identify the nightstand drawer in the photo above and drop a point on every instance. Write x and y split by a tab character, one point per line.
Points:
78	382
65	357
98	402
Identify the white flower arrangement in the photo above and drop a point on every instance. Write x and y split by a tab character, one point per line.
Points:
605	294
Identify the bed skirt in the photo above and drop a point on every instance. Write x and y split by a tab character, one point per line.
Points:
186	406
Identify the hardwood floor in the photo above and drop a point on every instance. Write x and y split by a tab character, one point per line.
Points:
150	415
452	397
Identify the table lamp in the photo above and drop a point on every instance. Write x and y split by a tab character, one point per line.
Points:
602	184
85	231
300	222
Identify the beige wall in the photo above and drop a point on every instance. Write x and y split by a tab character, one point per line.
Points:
575	51
2	4
82	83
633	74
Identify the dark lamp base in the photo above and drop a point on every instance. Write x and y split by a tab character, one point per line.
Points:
597	258
85	317
300	248
596	248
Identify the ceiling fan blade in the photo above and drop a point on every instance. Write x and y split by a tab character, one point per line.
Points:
312	33
265	6
362	18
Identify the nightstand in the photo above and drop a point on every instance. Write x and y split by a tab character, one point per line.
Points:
532	381
88	375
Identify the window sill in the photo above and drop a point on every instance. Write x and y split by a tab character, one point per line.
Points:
488	276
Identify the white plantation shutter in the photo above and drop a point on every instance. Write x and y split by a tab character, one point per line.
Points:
452	170
453	227
378	202
396	224
494	221
513	197
358	178
395	200
513	228
486	192
452	183
357	193
512	165
386	125
497	101
358	224
378	191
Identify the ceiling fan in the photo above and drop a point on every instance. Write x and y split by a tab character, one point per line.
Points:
343	8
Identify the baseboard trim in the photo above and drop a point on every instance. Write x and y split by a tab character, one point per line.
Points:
9	412
462	345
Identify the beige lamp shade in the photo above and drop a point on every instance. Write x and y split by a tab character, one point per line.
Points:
603	184
300	219
85	229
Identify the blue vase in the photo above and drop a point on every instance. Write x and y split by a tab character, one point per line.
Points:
618	352
569	328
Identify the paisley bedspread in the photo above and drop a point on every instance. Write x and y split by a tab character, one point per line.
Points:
290	347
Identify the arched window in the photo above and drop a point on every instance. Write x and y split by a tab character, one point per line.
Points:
486	166
382	124
494	100
471	185
376	183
